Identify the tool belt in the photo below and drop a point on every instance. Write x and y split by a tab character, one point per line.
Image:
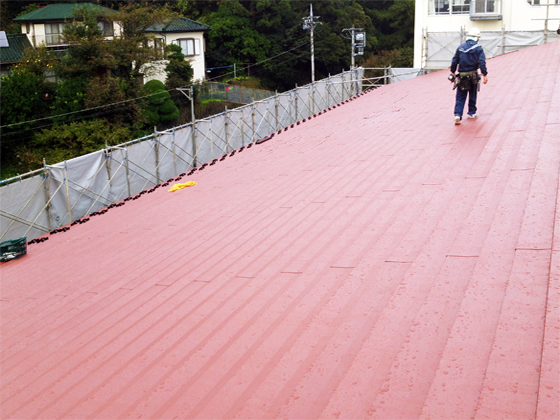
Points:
467	80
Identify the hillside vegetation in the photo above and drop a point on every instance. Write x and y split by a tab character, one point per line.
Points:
95	97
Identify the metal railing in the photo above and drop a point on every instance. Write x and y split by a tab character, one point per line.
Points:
233	93
57	195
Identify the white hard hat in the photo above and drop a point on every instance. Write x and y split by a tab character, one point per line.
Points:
474	32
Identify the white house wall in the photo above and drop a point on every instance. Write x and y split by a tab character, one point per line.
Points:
37	34
517	15
197	61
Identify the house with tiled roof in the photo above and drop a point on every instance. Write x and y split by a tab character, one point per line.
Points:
45	26
12	47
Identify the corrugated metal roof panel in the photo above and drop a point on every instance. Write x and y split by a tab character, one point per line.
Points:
59	11
17	43
180	25
373	262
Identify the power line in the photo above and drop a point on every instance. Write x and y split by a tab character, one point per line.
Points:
261	62
134	99
88	117
82	110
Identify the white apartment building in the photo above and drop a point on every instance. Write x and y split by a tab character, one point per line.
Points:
506	25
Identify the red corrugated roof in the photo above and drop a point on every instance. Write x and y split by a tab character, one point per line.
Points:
373	262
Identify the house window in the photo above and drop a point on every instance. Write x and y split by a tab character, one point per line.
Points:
189	46
53	33
446	7
106	28
50	76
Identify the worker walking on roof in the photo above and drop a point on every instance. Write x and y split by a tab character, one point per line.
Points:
469	57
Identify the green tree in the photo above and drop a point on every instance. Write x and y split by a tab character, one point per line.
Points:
233	38
179	72
159	106
393	23
87	55
22	101
40	61
106	98
131	52
9	10
69	97
77	138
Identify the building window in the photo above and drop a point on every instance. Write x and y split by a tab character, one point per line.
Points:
461	6
542	2
106	28
447	7
189	47
50	76
53	33
485	6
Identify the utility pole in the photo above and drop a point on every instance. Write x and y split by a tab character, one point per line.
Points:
309	23
189	93
358	38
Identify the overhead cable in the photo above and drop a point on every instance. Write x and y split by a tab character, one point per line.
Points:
141	97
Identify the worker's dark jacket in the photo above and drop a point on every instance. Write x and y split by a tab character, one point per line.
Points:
469	57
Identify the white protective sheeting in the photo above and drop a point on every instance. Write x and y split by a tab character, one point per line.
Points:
167	156
400	74
442	45
89	183
78	187
441	48
142	164
23	212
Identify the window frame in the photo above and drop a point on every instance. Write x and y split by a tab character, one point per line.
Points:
543	2
54	38
196	50
107	28
448	7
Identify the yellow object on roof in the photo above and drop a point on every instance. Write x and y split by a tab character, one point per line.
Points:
178	187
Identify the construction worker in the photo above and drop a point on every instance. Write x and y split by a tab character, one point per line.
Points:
469	57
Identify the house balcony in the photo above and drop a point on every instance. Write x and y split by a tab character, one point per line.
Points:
486	9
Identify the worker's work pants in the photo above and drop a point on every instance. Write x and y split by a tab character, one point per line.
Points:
461	98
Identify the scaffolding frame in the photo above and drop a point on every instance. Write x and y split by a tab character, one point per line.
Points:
44	200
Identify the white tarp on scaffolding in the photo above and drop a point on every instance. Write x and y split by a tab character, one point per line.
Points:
442	45
78	187
400	74
88	183
23	210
